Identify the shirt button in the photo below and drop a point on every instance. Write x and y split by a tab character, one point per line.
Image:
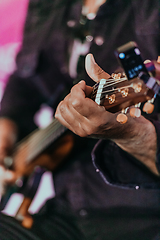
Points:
99	40
83	213
137	187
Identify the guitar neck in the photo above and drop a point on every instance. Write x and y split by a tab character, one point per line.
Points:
118	93
115	94
40	139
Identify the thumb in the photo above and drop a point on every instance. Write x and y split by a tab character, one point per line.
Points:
93	70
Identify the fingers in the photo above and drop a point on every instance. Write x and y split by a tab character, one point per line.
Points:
78	103
93	70
71	111
70	118
83	105
79	113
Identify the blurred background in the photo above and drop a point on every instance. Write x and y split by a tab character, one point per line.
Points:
12	18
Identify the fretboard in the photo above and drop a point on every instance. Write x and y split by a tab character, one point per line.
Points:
40	139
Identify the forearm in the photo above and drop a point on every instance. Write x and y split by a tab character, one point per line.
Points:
137	137
140	140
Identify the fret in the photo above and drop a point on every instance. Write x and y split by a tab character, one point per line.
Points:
39	140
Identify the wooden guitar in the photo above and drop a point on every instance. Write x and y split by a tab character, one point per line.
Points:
115	94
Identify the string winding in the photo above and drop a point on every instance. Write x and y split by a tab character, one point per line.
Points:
109	83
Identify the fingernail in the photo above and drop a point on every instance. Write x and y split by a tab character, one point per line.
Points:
93	60
81	81
147	61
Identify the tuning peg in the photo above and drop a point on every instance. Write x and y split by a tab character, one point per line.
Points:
135	112
122	118
148	106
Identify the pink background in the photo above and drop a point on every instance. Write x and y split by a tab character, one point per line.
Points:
12	17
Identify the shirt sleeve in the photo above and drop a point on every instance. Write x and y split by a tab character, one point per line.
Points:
119	168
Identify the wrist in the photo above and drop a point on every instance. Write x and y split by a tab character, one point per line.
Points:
140	140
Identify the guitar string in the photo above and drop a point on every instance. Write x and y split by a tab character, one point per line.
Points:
32	147
114	90
115	81
48	132
32	140
34	136
37	132
55	125
109	85
45	135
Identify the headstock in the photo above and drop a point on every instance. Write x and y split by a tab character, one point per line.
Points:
118	93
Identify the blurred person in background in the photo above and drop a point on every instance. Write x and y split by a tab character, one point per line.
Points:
121	199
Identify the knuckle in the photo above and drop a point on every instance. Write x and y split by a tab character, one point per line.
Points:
81	133
100	71
74	89
56	115
77	103
79	130
62	107
90	131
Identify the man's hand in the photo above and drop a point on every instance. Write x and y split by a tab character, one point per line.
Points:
87	119
81	114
